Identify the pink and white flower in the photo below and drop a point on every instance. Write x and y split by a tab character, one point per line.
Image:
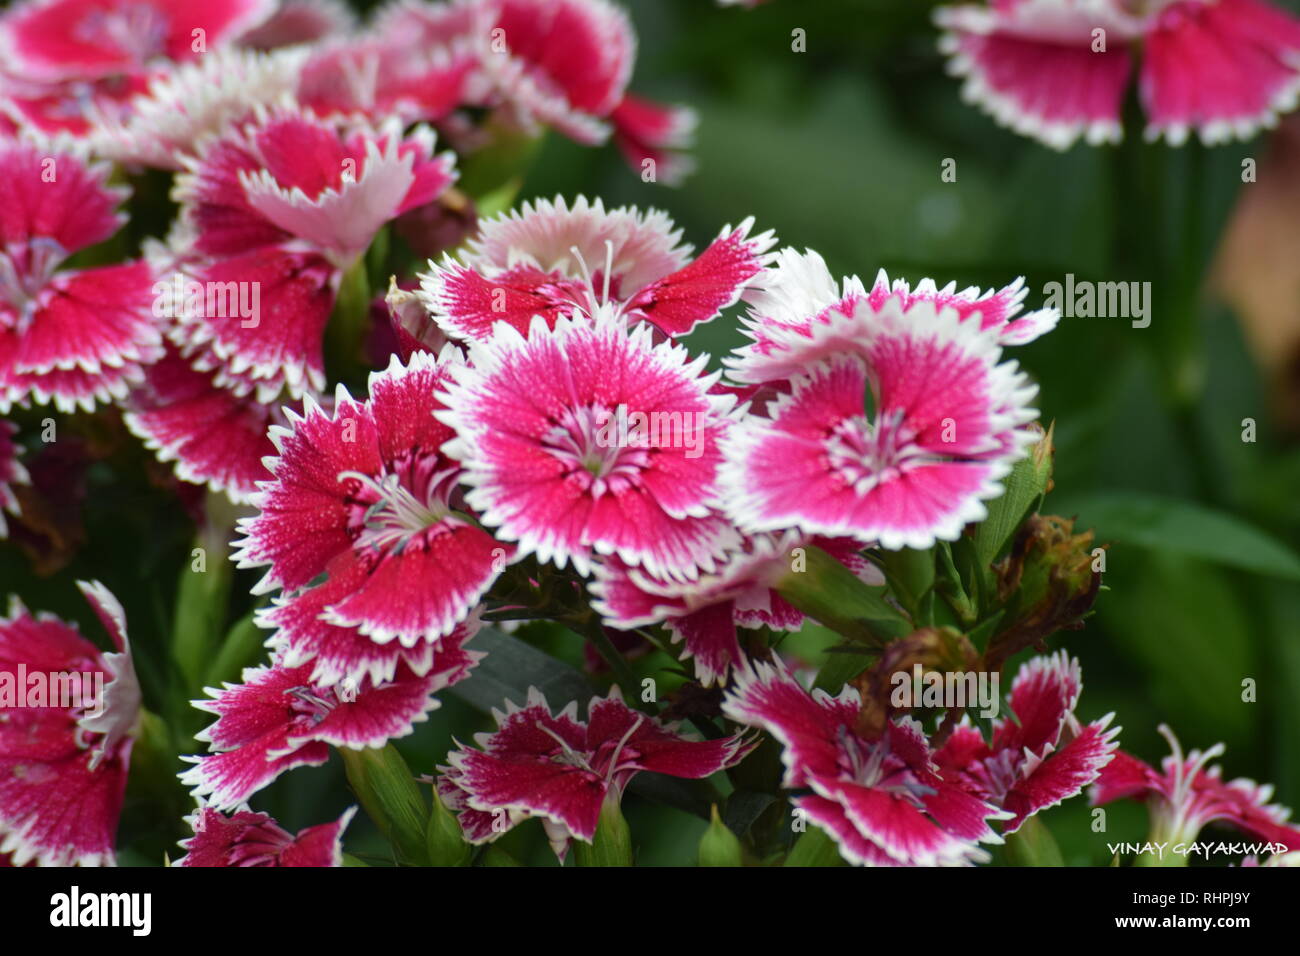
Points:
705	611
377	79
537	425
1057	70
214	436
1187	793
89	39
285	205
651	137
63	763
1041	754
883	801
192	102
12	473
799	315
72	337
366	493
279	719
563	770
946	423
300	21
553	259
245	838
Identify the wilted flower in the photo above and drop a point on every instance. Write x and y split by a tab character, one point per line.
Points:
562	769
68	713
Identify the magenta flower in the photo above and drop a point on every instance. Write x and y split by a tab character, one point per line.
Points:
705	611
1186	794
1040	755
246	838
946	424
284	206
365	494
883	801
799	315
214	436
279	719
379	78
1057	70
89	39
12	473
68	713
587	439
68	337
552	259
562	769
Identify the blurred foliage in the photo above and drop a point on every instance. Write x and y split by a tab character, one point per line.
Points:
840	149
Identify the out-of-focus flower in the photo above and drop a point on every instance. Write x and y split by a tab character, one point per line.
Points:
945	423
89	39
1057	70
300	21
246	838
881	800
12	473
563	770
282	207
1040	754
279	719
71	337
191	102
587	439
1187	793
553	259
365	494
68	713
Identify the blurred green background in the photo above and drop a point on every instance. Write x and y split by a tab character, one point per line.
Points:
840	149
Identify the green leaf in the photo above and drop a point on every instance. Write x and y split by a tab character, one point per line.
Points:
1180	527
1026	484
387	789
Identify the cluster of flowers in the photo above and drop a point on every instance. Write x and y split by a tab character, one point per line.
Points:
539	420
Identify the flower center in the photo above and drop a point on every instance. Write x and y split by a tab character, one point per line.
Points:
137	29
866	454
409	501
25	268
593	453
